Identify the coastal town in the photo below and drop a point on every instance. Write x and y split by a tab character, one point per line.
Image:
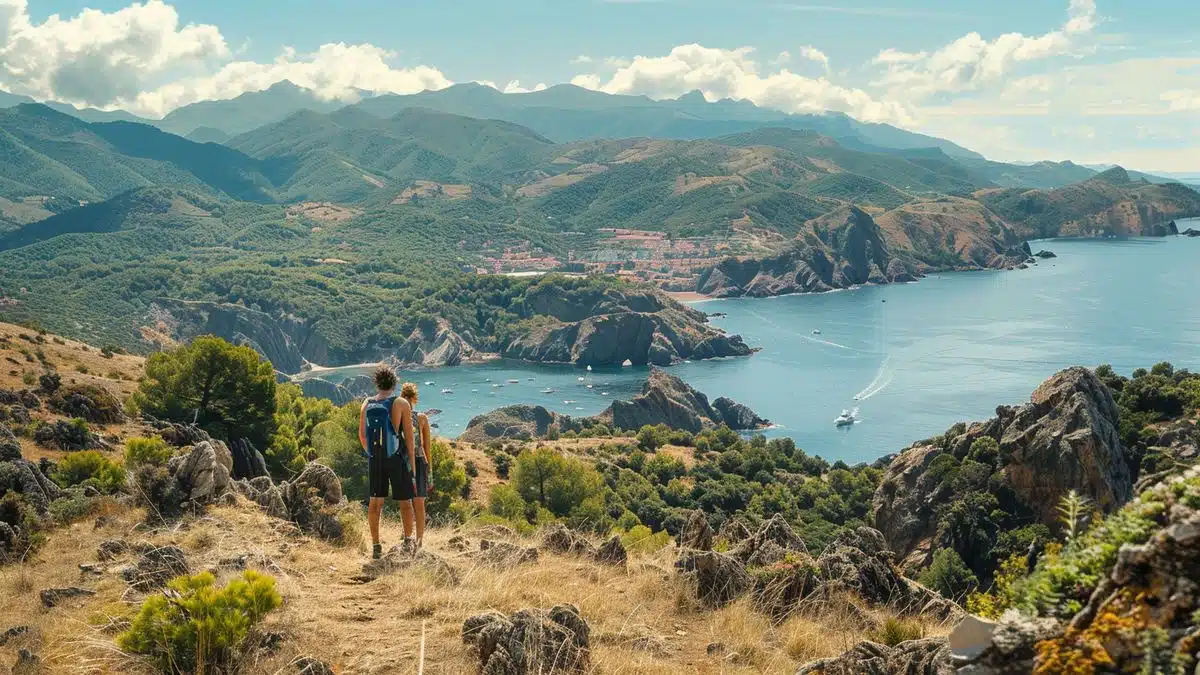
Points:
673	263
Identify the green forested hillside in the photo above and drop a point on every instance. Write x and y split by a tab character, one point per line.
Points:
50	153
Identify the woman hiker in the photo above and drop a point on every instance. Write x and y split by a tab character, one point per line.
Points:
420	423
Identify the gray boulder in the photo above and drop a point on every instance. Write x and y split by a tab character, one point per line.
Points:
203	474
718	579
929	656
531	641
696	533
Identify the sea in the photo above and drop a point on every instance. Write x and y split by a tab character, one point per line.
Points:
910	360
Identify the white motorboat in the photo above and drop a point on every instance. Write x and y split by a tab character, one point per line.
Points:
846	419
447	391
816	331
589	386
429	383
569	402
547	390
579	378
514	381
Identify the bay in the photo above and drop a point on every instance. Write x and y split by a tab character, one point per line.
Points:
918	356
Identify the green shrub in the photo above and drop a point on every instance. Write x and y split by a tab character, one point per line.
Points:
90	468
505	502
23	522
152	451
29	379
894	631
73	506
641	539
949	575
200	629
471	469
503	462
447	480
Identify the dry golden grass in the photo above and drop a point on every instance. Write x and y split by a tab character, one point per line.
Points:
643	618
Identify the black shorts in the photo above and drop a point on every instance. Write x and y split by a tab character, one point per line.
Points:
393	472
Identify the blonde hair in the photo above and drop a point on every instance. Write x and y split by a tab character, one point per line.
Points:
408	391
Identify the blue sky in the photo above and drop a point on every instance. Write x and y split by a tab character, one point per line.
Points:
1096	81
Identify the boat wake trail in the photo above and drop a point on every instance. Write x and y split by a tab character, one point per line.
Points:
881	381
799	335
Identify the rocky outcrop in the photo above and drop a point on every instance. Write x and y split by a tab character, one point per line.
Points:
515	422
316	387
1066	438
1191	232
531	641
928	656
155	568
93	403
665	399
1045	255
718	579
401	558
611	327
25	478
204	473
444	348
696	534
285	341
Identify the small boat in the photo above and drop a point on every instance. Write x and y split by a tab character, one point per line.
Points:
514	381
604	393
845	419
547	390
578	408
532	379
569	402
589	369
487	379
474	391
447	391
496	385
579	378
626	363
589	386
816	331
429	383
883	300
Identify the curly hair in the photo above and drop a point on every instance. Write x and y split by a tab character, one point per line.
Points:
385	379
409	391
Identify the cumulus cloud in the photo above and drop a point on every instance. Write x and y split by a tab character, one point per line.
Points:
732	73
816	55
97	57
142	59
970	62
1180	100
513	87
336	71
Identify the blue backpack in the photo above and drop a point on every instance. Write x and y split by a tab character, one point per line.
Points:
381	433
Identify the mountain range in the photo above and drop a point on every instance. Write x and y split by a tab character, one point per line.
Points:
567	113
291	216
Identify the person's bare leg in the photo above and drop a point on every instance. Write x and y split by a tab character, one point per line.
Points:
374	510
419	509
406	515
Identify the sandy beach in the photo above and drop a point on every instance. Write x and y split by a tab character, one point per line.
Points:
688	296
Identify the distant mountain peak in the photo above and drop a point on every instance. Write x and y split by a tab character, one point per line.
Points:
693	97
1115	176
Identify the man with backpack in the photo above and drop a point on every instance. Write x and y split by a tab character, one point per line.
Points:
384	420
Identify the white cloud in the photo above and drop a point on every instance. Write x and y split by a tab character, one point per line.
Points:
1179	100
581	59
813	54
97	57
731	73
971	62
140	58
336	71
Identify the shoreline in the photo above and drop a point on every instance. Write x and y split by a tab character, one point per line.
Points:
689	297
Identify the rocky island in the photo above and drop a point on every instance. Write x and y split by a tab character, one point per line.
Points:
665	400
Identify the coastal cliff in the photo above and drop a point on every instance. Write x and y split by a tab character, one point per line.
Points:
850	247
642	326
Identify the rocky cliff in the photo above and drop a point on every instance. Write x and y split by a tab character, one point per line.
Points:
608	328
849	247
285	341
640	326
665	399
1066	438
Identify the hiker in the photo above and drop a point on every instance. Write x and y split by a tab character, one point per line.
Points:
421	423
385	419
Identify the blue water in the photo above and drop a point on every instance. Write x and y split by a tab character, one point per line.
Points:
946	349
